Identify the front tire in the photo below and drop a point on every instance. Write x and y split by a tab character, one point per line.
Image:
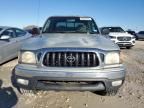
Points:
27	92
112	92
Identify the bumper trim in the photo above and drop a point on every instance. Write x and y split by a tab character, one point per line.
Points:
95	87
87	74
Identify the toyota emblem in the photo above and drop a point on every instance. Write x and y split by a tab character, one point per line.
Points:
70	59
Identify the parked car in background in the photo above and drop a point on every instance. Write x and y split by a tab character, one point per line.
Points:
140	35
120	37
132	33
11	40
34	30
40	28
72	55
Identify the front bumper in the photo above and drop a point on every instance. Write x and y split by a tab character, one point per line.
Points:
97	79
124	43
121	44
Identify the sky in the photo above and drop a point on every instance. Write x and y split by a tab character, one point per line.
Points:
129	14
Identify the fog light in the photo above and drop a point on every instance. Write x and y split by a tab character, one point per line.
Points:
116	83
22	81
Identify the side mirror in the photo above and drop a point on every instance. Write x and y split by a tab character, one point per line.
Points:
105	31
5	37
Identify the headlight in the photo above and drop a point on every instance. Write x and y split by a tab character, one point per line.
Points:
28	57
133	37
112	58
112	37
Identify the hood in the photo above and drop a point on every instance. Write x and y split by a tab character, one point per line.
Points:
120	34
70	41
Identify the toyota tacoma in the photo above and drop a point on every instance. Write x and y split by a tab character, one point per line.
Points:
70	54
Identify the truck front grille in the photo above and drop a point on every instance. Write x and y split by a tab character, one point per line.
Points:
124	38
71	59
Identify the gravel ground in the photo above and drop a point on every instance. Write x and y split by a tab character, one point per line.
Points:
131	94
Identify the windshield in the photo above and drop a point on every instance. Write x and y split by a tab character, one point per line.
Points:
70	25
0	29
115	29
141	32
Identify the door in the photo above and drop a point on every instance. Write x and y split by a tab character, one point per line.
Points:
2	44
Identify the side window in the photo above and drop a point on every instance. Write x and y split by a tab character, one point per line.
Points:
9	32
141	32
20	33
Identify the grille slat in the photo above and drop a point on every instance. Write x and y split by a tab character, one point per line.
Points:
71	63
94	60
47	59
82	59
59	59
88	59
77	59
65	62
53	59
70	59
124	38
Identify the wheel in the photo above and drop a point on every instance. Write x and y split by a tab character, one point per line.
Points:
112	92
128	47
27	92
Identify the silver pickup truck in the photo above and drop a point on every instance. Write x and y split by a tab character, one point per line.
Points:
70	54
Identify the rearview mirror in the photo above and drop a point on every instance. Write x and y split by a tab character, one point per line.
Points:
105	31
5	37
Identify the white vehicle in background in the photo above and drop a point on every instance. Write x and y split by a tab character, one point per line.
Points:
120	37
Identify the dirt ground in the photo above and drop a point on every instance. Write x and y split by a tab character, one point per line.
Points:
131	94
